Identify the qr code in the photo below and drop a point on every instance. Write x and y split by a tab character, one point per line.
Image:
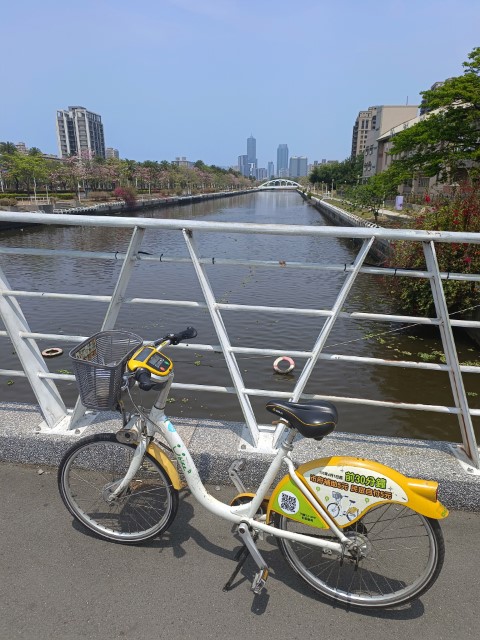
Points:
288	502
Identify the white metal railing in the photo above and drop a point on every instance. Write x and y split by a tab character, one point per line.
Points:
56	415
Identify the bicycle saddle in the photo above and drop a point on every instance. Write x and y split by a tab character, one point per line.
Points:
312	419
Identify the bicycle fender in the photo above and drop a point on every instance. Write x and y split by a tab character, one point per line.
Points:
360	484
289	501
348	487
163	460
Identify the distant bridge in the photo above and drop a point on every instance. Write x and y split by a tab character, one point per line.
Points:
280	183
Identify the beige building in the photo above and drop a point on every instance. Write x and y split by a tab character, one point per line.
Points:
385	118
418	184
363	124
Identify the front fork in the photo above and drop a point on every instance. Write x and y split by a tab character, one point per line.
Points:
141	437
133	468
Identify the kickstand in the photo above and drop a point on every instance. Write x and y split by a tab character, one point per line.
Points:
240	557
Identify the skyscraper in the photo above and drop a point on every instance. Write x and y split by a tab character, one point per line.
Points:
79	130
270	170
243	166
298	166
252	154
282	161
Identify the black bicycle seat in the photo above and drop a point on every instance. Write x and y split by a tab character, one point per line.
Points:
312	419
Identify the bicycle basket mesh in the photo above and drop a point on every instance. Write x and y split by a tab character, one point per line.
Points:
98	364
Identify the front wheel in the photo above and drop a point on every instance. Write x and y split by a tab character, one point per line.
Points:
93	468
400	555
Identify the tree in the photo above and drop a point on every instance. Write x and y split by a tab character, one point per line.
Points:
7	148
446	142
26	170
347	172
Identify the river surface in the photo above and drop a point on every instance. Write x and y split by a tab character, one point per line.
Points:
279	287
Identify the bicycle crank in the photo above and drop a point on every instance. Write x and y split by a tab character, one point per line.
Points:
262	574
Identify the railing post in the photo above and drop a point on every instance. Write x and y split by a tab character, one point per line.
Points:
33	364
115	304
223	338
454	372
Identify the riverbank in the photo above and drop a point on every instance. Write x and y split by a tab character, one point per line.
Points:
116	207
381	249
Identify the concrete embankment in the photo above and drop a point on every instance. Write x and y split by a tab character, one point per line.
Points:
380	250
214	445
112	208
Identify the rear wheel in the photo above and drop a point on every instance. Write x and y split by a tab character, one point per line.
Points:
91	470
400	555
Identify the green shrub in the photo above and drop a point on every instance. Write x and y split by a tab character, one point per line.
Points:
459	213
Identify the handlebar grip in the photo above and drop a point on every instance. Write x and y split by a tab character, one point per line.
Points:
175	338
190	332
143	377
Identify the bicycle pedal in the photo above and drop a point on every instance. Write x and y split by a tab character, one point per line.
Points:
259	581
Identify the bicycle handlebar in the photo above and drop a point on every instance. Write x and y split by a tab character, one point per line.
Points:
144	376
175	338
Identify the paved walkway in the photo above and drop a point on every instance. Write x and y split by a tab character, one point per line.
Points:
57	581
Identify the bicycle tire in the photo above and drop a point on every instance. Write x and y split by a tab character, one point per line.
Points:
388	575
91	469
333	509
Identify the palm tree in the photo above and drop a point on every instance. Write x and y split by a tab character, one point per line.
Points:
8	148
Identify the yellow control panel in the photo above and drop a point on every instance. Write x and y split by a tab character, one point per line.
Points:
152	360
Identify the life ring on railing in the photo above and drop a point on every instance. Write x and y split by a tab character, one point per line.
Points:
287	359
52	352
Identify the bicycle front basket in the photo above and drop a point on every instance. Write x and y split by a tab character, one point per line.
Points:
98	364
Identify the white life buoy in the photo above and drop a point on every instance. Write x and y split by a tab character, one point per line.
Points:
288	360
52	352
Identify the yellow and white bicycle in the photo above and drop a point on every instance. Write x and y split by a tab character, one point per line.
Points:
358	532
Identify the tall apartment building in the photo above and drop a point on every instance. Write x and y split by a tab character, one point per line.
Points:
363	124
79	130
382	119
298	166
282	161
270	170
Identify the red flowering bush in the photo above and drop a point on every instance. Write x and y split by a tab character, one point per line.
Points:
459	212
127	194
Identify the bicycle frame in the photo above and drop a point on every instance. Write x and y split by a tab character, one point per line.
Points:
419	494
244	513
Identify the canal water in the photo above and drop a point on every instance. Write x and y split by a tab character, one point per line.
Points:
279	286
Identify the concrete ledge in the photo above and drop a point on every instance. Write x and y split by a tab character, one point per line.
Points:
214	445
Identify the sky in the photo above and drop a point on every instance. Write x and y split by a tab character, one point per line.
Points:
196	78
